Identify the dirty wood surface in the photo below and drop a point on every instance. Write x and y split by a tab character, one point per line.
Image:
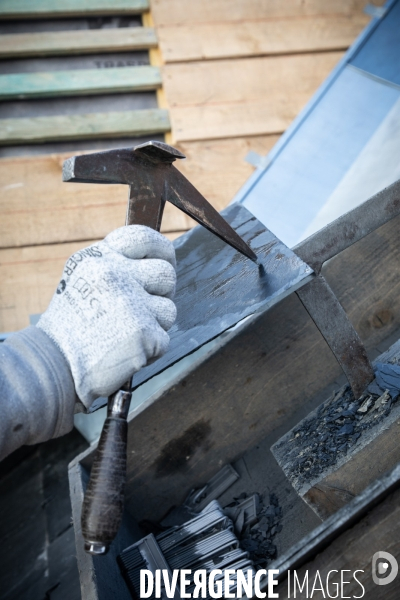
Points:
335	485
256	382
353	550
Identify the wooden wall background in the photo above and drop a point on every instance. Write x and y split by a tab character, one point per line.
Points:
234	74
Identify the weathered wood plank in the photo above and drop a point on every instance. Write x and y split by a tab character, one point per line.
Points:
218	167
79	82
255	38
31	9
83	126
352	551
181	12
217	99
36	207
77	42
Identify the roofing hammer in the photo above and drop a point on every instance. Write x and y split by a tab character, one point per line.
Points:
152	179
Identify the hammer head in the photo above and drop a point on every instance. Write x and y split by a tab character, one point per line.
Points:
153	180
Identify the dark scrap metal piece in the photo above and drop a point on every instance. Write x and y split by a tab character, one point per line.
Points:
319	299
332	321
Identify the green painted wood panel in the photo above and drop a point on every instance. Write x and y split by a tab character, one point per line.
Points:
77	42
82	81
89	126
14	9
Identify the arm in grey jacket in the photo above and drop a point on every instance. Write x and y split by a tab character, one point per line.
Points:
37	392
108	318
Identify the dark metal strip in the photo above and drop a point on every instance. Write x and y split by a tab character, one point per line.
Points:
331	319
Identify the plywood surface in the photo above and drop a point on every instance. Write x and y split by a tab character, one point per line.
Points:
179	12
217	99
213	40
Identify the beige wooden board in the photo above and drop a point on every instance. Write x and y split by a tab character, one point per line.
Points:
256	38
36	207
218	168
179	12
352	551
51	43
87	126
252	96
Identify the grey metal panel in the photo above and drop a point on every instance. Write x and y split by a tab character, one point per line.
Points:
218	287
298	182
380	53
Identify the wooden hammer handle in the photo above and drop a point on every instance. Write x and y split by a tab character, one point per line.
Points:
103	504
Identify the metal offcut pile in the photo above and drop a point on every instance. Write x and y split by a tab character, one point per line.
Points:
322	439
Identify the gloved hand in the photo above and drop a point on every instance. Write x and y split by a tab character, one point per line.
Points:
112	308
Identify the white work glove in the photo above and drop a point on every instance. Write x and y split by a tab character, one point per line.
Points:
112	308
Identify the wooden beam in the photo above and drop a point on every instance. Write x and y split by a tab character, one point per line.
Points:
262	37
36	9
241	97
182	12
83	126
49	43
79	82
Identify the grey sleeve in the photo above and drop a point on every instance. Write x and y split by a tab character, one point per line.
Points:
37	392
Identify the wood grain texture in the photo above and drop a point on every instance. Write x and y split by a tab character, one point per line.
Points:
90	41
217	168
218	99
351	551
79	82
31	9
89	126
259	37
180	12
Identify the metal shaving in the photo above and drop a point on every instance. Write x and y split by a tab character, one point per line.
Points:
321	440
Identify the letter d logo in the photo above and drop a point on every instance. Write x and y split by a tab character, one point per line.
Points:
380	566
